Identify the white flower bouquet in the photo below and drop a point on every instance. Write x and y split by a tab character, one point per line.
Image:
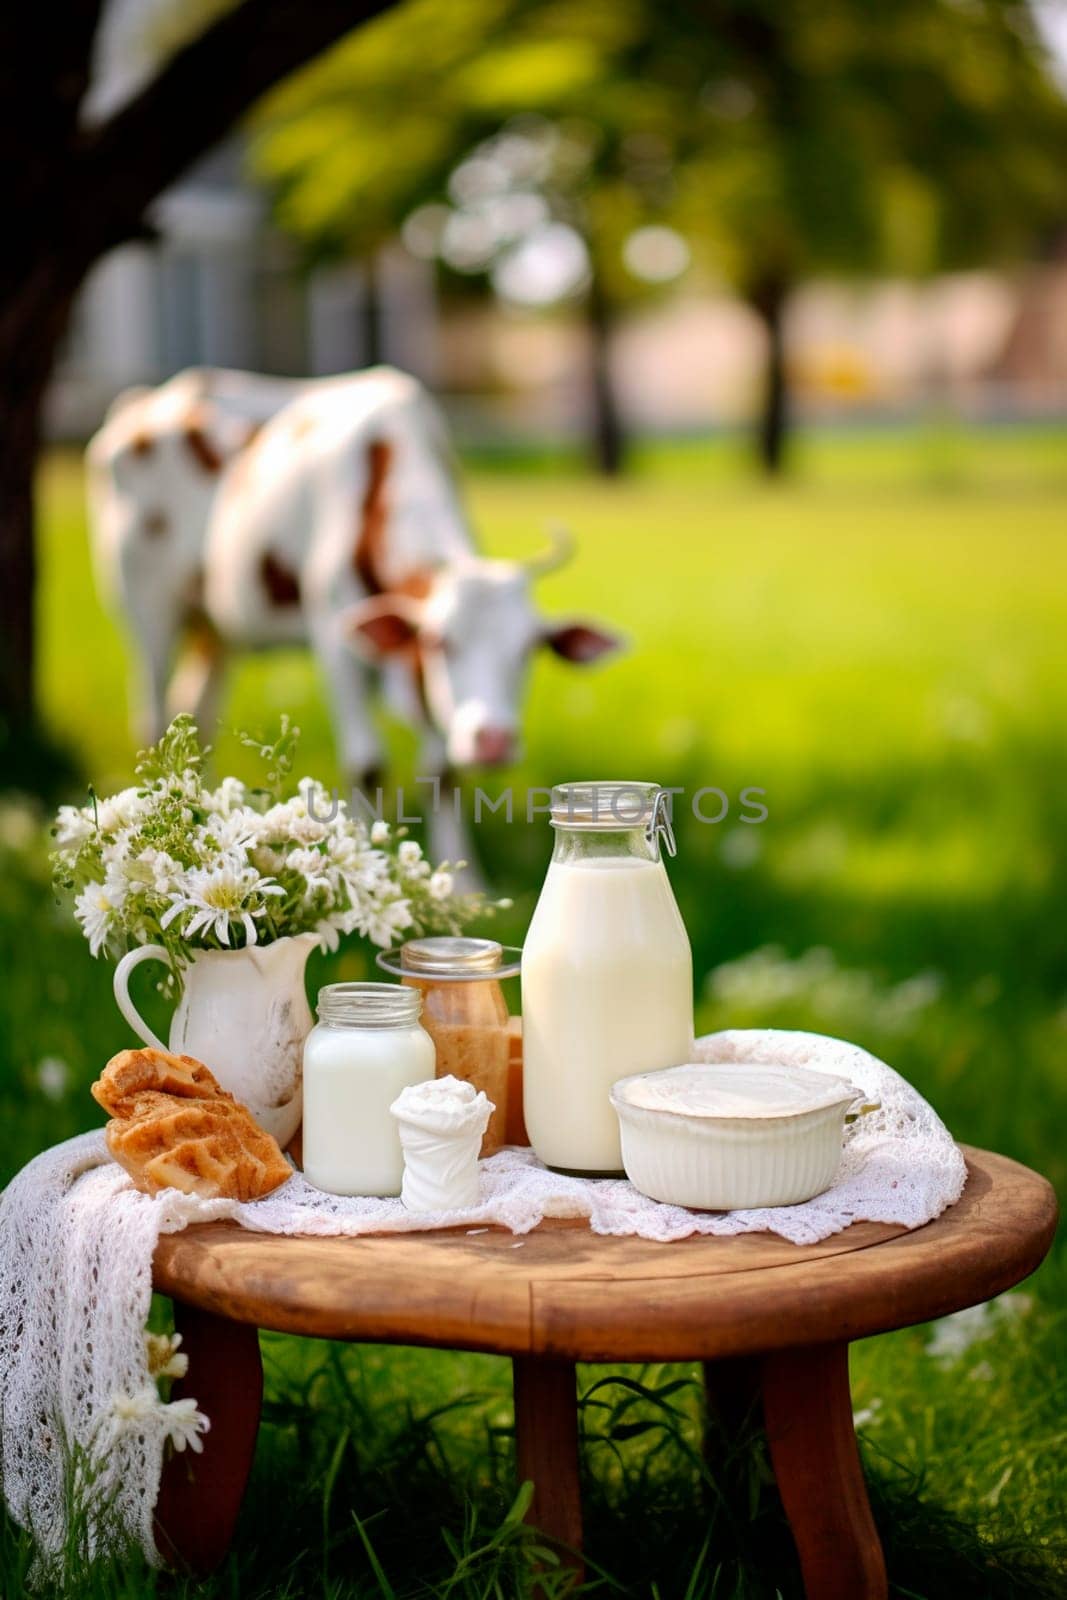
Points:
175	862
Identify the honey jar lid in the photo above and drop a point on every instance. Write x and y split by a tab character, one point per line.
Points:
446	955
450	958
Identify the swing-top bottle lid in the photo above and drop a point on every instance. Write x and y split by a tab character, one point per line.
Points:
611	804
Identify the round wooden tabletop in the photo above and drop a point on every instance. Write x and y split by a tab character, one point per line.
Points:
564	1291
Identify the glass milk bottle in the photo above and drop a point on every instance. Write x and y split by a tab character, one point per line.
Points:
607	973
365	1048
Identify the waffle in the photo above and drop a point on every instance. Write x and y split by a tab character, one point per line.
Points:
173	1127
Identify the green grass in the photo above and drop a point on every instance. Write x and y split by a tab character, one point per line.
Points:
879	645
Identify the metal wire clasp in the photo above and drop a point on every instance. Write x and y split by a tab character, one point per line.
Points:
659	824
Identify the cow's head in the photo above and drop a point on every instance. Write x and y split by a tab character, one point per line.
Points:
468	632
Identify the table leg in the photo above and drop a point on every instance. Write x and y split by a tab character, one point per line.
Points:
200	1495
807	1409
546	1444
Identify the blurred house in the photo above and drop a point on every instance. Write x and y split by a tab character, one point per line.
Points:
1033	359
221	287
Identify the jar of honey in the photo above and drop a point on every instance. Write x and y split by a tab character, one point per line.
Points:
465	1013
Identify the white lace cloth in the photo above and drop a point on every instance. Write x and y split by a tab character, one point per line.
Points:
77	1241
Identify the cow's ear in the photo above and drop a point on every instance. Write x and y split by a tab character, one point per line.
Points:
581	642
382	626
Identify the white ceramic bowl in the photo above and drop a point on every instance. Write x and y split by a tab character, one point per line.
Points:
728	1135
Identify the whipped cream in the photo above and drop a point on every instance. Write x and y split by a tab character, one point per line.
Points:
441	1123
445	1103
734	1089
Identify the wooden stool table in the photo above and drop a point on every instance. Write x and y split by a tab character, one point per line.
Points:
754	1307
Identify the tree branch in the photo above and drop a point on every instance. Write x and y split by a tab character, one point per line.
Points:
193	101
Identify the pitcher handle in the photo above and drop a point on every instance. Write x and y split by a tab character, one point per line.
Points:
145	952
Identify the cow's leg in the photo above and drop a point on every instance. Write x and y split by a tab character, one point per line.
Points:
448	834
155	640
348	683
197	684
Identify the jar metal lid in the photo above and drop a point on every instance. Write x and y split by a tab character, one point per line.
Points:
449	954
450	959
369	1005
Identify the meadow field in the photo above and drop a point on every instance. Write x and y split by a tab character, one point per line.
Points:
880	645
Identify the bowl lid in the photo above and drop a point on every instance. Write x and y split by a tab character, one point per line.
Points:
735	1089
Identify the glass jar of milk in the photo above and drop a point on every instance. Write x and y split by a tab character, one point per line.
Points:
607	973
365	1048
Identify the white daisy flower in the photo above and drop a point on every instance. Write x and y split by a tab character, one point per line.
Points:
117	880
290	822
97	915
218	897
379	833
74	824
441	884
121	810
165	871
184	1424
387	921
409	853
230	831
314	868
229	796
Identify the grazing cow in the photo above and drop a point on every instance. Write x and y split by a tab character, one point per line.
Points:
325	512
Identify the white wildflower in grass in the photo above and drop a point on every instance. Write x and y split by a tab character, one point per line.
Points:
163	1356
53	1076
177	862
952	1336
867	1416
184	1424
130	1413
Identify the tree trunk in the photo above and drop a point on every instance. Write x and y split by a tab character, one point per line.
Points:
769	299
34	319
608	437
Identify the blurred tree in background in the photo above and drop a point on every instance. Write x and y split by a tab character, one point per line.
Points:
848	139
824	137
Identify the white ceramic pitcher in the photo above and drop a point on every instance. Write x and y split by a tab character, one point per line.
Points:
244	1013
